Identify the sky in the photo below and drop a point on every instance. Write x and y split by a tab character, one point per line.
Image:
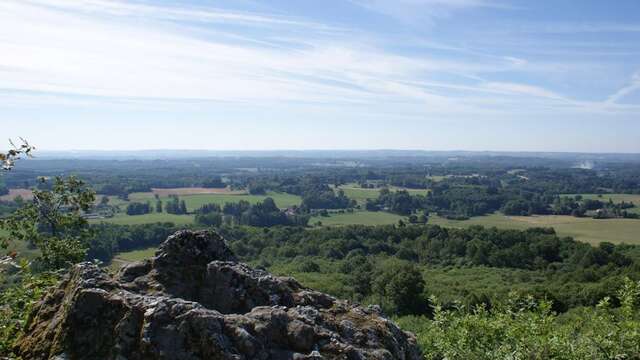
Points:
544	75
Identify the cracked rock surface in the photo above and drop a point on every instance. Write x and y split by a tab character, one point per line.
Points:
194	300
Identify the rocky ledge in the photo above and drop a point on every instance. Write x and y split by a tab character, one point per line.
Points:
194	300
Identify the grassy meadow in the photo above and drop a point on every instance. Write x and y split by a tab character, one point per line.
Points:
360	195
137	255
357	218
193	202
583	229
124	219
616	198
131	256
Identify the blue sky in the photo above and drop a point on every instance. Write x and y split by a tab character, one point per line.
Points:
352	74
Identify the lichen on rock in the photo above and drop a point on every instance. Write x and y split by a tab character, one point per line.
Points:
194	300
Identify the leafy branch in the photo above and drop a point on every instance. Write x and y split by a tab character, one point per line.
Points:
8	159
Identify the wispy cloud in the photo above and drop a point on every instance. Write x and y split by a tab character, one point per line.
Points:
128	52
633	86
512	88
191	14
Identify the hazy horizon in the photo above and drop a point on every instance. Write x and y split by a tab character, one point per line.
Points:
124	152
470	75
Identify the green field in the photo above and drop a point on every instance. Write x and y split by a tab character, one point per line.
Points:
436	178
616	198
584	229
193	202
124	219
131	256
113	200
360	195
359	218
137	255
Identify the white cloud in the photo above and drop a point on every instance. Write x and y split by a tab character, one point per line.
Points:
142	10
50	50
512	88
134	53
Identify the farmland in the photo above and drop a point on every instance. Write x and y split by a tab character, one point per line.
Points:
193	202
360	195
588	230
124	219
583	229
26	194
131	256
357	218
616	198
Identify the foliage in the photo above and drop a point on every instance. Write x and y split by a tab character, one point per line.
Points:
536	260
213	219
262	214
176	206
214	182
527	328
16	302
8	159
137	208
400	285
53	223
321	196
110	239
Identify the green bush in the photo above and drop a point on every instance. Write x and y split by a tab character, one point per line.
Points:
16	302
525	328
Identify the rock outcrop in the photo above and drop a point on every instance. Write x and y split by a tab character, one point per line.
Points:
194	300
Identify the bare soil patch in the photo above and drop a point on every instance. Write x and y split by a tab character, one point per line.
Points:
26	194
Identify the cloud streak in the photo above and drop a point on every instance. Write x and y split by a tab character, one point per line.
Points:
632	87
102	49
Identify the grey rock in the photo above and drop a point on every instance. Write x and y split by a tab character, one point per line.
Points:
194	300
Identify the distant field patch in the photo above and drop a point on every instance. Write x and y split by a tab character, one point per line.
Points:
357	218
195	191
137	255
124	219
128	257
616	198
437	178
360	195
26	194
193	202
411	191
583	229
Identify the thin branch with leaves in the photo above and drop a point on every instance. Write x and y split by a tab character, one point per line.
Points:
8	159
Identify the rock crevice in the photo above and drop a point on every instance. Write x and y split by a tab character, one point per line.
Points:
194	300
